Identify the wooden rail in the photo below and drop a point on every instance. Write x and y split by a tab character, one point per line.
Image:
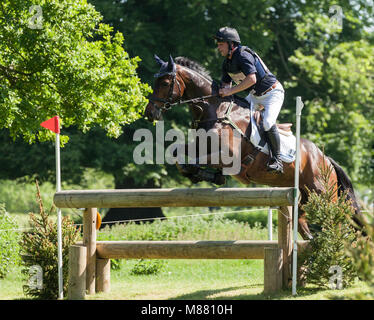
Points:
240	249
192	197
183	249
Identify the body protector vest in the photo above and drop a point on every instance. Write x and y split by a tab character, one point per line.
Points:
234	71
261	67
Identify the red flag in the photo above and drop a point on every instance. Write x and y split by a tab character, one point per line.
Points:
52	124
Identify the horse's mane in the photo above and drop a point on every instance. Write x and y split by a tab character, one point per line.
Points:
186	62
193	65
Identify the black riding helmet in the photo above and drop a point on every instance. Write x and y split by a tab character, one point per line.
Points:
227	34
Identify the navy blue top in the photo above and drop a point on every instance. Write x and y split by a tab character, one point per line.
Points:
242	64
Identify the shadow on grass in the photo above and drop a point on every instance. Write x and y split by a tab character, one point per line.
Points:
206	294
209	294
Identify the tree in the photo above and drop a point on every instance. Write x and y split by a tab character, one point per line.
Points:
57	58
338	72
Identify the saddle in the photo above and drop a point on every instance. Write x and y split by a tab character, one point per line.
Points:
258	139
283	128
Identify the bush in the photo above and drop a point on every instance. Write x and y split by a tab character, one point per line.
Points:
9	248
327	260
363	256
39	250
146	267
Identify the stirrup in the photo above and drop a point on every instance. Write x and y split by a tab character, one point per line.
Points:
276	167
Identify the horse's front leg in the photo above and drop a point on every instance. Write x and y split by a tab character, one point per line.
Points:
193	167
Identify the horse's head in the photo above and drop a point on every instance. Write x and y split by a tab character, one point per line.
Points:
166	90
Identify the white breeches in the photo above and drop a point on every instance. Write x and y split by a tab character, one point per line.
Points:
272	102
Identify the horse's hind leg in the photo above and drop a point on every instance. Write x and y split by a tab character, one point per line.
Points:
302	220
303	225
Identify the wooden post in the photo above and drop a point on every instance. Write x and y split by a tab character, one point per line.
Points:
77	272
285	242
102	275
89	241
273	264
302	246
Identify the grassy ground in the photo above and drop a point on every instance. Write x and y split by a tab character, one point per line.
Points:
208	280
191	280
11	285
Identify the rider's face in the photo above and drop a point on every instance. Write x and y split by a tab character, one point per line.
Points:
223	48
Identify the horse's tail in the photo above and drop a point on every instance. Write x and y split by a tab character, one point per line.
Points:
344	184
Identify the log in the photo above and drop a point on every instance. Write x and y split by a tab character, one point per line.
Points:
273	270
183	249
89	241
77	272
285	242
102	275
177	197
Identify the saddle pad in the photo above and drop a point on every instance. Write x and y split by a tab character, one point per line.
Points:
287	143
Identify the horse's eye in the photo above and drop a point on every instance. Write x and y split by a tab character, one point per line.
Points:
164	84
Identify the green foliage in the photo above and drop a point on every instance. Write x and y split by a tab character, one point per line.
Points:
335	66
39	248
147	267
9	238
10	195
67	63
10	190
363	256
328	247
184	228
254	219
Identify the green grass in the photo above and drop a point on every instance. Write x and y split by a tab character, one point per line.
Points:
187	279
11	285
190	279
208	280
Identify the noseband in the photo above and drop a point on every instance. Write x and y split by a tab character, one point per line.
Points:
167	103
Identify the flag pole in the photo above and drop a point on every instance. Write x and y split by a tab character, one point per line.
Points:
53	124
59	232
299	107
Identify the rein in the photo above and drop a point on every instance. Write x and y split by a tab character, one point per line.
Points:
167	104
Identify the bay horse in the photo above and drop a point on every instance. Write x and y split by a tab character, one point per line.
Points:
186	79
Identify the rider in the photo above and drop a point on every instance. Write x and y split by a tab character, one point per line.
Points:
243	66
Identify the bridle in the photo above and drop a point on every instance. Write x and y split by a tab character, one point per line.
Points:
168	102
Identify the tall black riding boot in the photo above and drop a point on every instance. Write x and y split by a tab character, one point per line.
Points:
273	139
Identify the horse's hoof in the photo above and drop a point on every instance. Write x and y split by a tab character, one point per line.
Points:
219	179
275	171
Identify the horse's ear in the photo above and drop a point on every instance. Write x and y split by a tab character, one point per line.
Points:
171	64
159	60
